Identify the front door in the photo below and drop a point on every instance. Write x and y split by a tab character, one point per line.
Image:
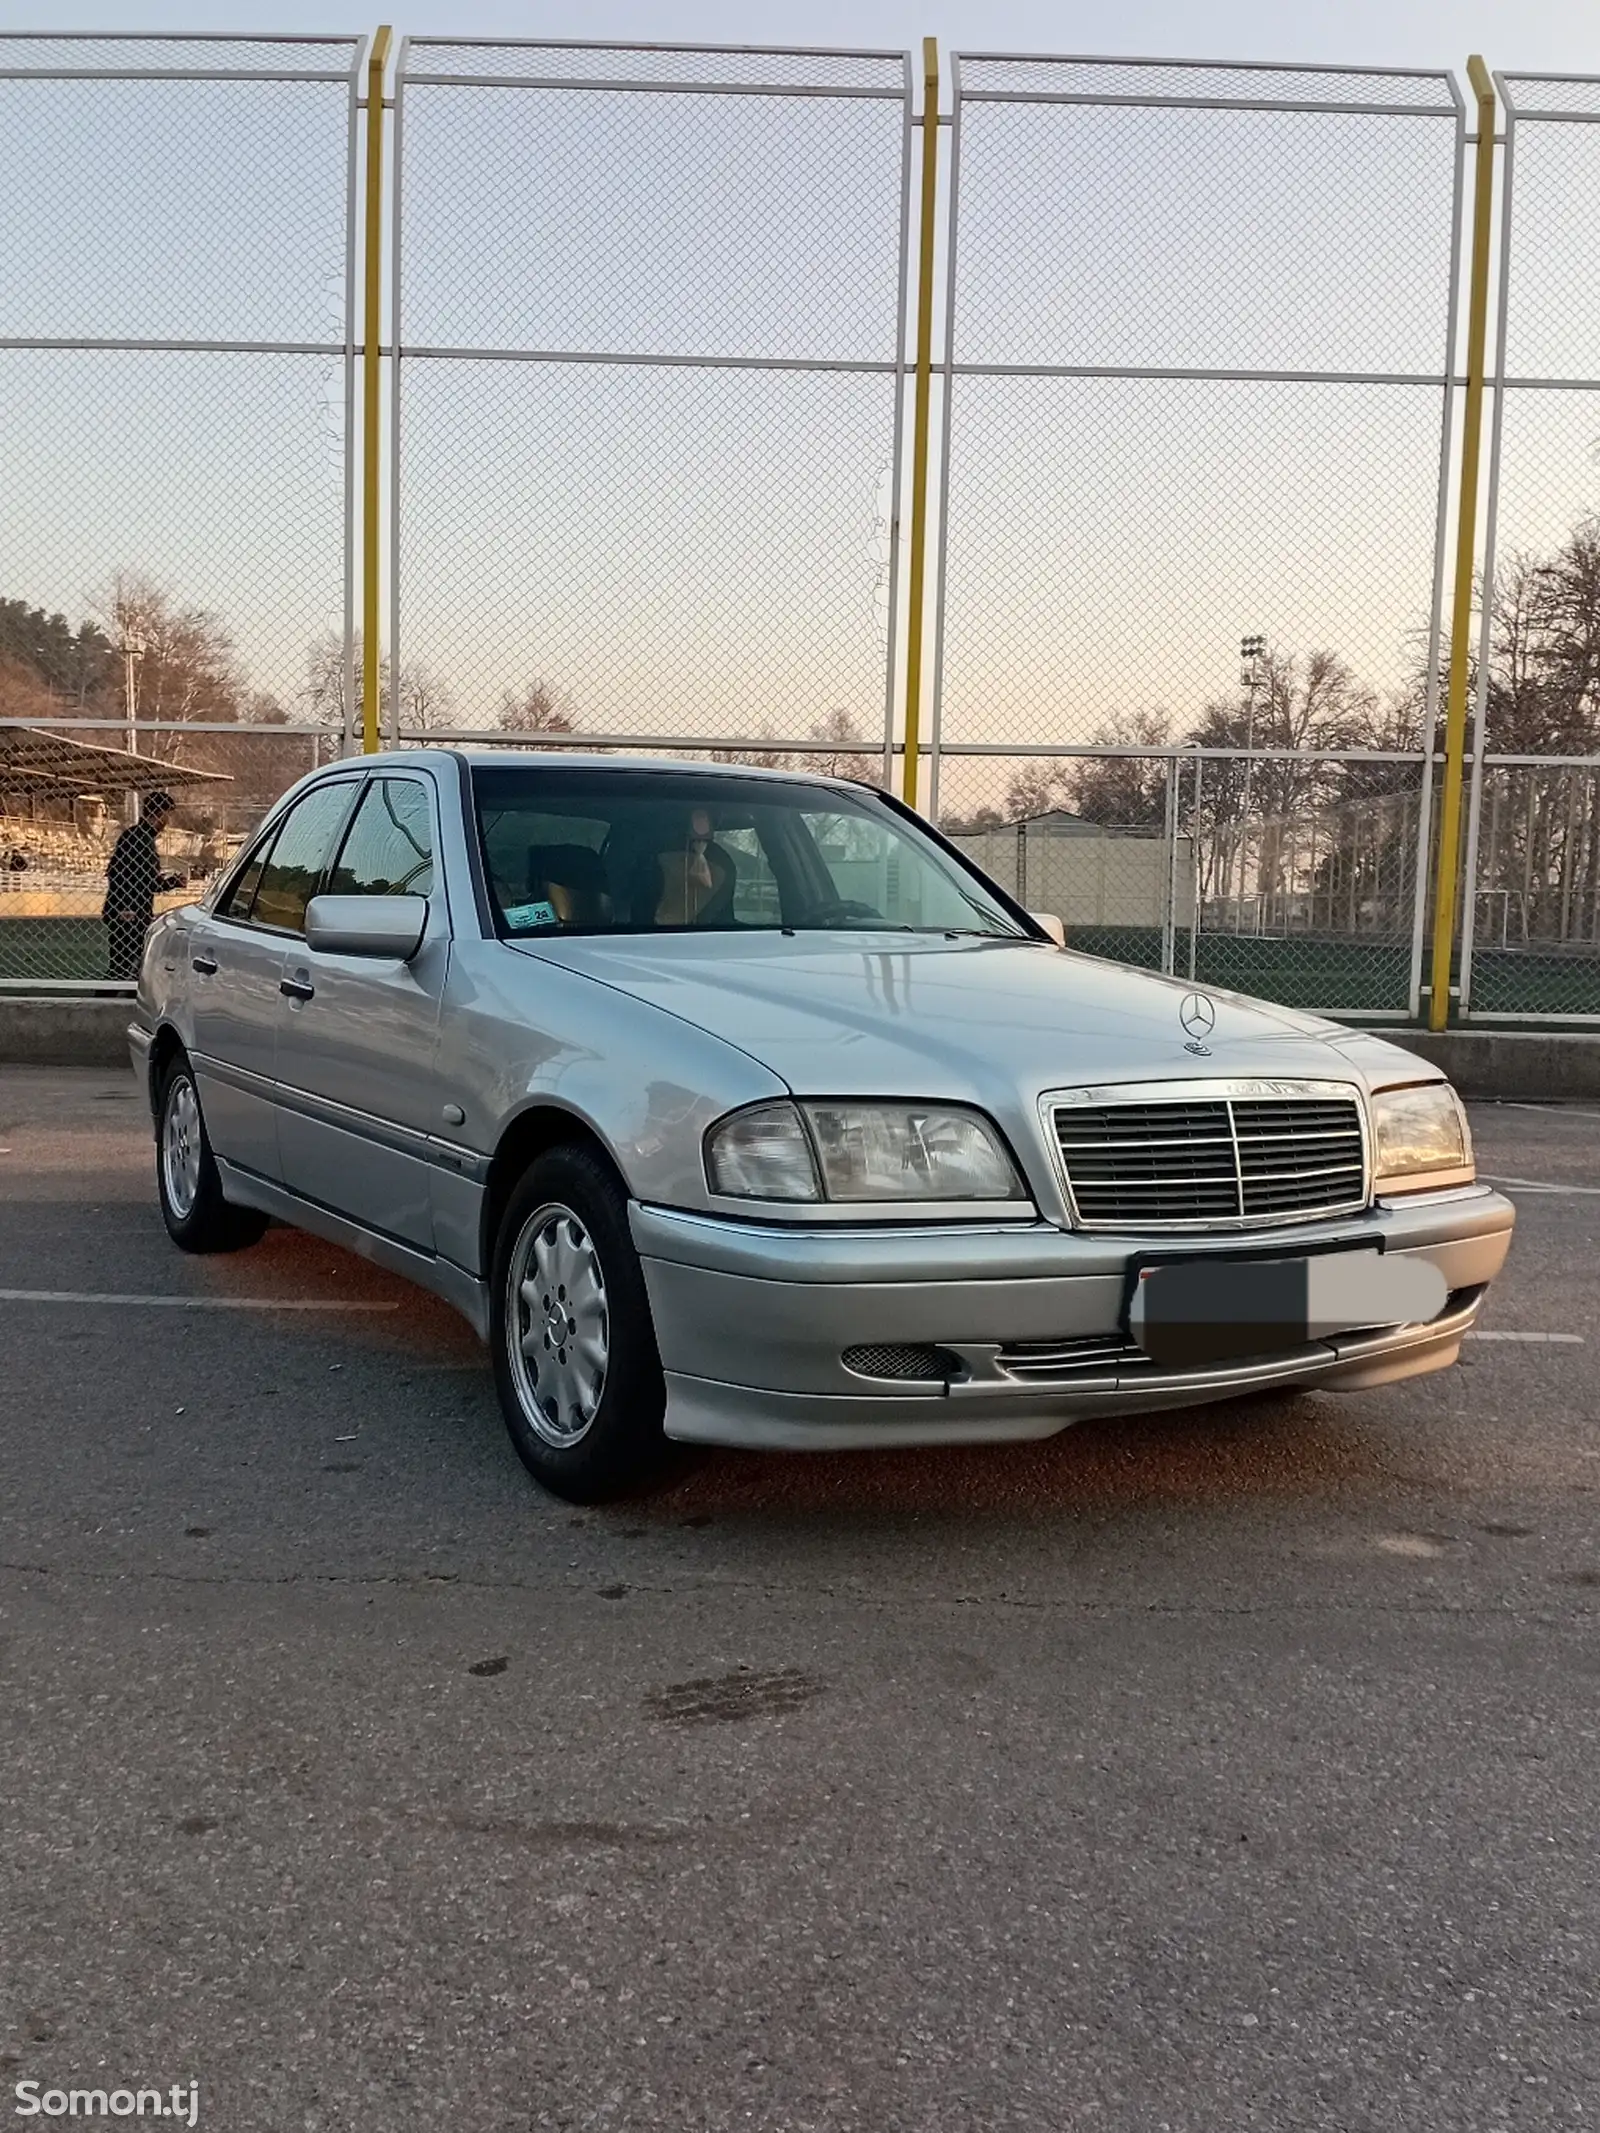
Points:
237	956
356	1042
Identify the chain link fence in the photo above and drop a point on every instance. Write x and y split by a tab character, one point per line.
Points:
646	441
1528	947
650	325
176	390
1291	876
1535	942
1199	340
65	798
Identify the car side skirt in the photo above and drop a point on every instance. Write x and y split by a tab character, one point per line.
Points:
463	1291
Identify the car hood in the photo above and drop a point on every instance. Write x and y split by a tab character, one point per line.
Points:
969	1021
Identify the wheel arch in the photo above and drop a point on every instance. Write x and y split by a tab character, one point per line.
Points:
165	1046
524	1138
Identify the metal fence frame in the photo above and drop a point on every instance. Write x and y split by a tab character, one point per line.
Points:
1181	944
1446	380
1152	84
1483	762
408	76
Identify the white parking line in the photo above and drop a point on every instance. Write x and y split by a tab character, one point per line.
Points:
1565	1340
191	1303
1538	1184
1550	1110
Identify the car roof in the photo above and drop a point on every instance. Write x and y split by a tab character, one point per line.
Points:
484	758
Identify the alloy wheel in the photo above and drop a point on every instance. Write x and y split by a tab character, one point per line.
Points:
181	1147
557	1325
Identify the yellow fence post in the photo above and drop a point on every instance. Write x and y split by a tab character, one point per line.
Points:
921	423
1455	728
371	654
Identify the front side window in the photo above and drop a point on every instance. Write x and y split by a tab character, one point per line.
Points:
645	851
300	852
388	850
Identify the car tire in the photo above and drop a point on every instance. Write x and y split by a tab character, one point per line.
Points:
575	1358
197	1216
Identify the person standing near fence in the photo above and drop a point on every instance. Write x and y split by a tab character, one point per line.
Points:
133	881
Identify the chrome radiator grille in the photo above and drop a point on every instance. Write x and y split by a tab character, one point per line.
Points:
1193	1161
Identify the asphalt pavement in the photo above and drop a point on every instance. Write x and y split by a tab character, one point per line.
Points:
1200	1773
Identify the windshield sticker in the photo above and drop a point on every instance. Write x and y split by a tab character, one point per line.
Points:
521	915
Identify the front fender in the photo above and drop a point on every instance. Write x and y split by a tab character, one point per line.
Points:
519	1034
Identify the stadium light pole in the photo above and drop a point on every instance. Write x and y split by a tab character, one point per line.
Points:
134	646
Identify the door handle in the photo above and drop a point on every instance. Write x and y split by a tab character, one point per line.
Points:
205	964
297	988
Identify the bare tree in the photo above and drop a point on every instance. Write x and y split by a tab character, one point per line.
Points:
839	761
1541	841
1125	791
1308	703
425	702
1042	784
177	662
1543	695
538	708
331	685
759	757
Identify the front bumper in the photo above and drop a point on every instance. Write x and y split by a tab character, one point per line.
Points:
753	1320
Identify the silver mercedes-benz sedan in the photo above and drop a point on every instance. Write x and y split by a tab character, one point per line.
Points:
737	1107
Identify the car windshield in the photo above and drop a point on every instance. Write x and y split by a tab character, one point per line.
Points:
571	850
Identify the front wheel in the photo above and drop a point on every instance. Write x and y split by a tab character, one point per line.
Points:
574	1350
197	1216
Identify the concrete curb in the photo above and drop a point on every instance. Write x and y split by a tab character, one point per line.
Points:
1539	1066
1509	1066
60	1032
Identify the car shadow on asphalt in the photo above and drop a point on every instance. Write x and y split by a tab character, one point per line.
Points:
1266	1447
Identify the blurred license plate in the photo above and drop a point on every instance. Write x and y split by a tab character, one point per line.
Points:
1188	1312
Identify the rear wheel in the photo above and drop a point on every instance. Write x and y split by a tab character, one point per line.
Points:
197	1216
575	1356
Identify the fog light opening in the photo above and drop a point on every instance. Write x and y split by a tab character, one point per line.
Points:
903	1363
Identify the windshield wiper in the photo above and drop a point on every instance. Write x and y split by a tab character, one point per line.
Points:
968	933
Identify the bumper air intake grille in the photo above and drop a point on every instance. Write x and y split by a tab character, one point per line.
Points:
1095	1355
1212	1163
903	1361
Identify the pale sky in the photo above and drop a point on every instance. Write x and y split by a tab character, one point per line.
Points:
1561	36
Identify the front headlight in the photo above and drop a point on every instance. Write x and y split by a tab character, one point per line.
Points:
1419	1133
860	1152
910	1152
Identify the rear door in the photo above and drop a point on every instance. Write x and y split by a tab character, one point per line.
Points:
356	1084
237	957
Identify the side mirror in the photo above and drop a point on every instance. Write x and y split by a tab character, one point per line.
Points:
1052	925
388	928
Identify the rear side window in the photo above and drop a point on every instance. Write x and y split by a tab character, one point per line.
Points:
389	848
236	900
293	872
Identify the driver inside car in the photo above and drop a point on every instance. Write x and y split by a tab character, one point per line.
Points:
689	881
